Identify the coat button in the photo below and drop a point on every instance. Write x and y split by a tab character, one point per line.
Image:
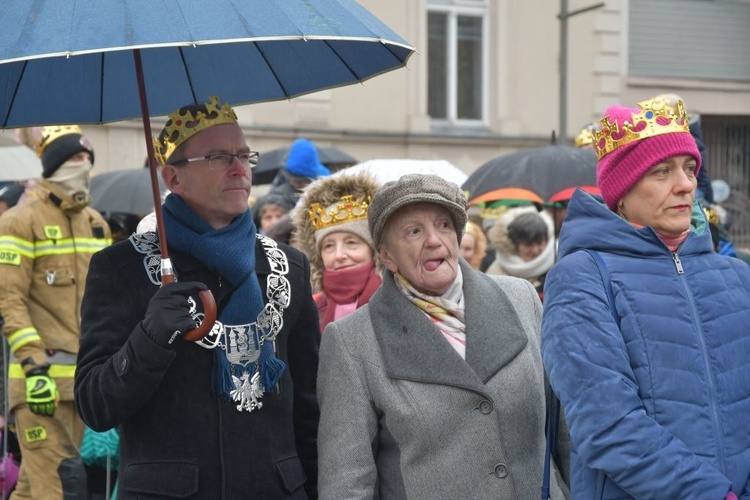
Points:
485	407
123	366
501	470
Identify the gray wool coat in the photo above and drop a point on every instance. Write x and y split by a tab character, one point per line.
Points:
403	416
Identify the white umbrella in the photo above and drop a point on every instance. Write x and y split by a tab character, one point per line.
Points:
17	161
385	170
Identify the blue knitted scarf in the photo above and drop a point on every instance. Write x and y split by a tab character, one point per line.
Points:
229	252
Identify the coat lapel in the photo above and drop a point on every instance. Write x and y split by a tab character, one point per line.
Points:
414	349
494	333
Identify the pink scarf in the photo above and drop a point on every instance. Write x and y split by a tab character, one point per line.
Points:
353	284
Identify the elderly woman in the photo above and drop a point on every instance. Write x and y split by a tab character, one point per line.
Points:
435	389
331	228
645	335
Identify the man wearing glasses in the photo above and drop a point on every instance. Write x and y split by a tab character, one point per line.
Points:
233	415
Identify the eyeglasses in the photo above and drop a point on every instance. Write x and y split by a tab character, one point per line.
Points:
222	161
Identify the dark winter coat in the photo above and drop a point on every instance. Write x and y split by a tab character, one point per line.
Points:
657	407
177	439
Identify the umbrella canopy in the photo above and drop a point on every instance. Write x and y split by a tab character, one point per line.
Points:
69	61
271	162
545	174
98	61
125	191
17	161
391	170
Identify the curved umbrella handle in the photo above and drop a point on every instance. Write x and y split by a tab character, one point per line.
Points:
209	317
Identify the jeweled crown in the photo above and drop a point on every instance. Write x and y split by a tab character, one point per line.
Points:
656	117
188	121
346	210
52	133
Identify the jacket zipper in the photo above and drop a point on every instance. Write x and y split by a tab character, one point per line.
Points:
698	326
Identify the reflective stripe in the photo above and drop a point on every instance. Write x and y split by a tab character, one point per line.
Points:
56	358
11	243
21	337
55	371
53	247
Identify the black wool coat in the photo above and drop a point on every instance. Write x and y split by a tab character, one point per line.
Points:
178	440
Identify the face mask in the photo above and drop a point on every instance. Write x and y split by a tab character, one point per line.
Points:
73	178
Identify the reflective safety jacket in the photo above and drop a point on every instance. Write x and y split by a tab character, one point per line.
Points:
45	248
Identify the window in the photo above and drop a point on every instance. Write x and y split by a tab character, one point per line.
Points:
456	61
689	39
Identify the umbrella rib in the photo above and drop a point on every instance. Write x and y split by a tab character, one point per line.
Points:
270	67
15	93
343	62
187	74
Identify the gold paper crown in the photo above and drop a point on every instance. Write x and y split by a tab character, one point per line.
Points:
52	133
610	137
493	212
585	136
346	210
188	121
712	215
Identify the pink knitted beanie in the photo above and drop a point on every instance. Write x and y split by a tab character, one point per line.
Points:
618	171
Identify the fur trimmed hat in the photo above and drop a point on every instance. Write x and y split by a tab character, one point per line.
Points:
618	171
58	144
326	192
416	188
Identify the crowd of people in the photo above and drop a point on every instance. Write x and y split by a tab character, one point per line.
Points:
375	340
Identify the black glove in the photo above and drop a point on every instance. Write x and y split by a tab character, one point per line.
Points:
168	316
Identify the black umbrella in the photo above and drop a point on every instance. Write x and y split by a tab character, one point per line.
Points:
541	175
124	191
271	162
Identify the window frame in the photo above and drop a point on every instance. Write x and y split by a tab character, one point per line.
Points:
453	10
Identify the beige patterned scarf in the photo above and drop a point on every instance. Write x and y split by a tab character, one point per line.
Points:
445	311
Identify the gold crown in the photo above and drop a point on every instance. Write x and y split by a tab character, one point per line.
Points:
644	124
585	136
712	215
490	212
346	210
188	121
52	133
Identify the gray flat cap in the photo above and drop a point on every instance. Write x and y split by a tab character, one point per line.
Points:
415	188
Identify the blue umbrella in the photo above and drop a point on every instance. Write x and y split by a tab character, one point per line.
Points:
71	61
98	61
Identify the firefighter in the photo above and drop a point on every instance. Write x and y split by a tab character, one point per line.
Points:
45	248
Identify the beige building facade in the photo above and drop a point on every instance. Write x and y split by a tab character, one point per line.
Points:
485	80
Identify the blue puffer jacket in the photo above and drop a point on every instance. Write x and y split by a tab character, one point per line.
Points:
658	408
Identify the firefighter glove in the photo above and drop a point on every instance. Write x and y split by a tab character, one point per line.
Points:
41	391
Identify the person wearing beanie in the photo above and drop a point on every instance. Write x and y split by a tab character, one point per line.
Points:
331	229
435	388
644	337
46	244
705	189
524	243
232	414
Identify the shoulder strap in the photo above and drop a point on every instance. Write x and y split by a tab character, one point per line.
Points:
554	405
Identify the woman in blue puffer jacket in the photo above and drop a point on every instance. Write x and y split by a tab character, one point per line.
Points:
654	379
